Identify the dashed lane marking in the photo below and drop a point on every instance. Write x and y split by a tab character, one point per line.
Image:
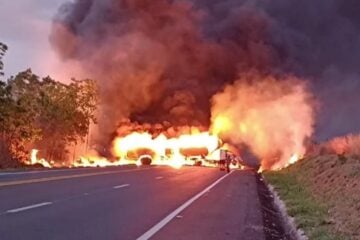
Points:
16	210
121	186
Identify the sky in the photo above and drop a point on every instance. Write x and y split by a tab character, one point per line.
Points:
24	27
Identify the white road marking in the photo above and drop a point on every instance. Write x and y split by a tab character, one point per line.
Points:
158	178
29	207
152	231
121	186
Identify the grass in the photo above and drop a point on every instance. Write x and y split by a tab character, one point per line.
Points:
310	215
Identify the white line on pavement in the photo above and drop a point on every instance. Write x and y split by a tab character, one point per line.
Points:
152	231
158	178
121	186
29	207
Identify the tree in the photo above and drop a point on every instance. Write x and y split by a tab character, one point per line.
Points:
66	114
17	113
44	114
3	49
6	104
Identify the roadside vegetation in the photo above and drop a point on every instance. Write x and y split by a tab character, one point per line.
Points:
311	216
322	193
42	113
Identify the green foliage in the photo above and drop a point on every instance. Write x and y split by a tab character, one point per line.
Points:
3	49
45	114
310	215
66	114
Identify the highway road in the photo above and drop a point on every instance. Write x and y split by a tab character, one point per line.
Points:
130	203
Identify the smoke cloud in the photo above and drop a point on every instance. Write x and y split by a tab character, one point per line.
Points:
163	61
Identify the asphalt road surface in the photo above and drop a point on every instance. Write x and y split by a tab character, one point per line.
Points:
130	203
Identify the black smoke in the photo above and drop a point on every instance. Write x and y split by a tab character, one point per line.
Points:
163	60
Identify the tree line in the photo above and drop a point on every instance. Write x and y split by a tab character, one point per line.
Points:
43	113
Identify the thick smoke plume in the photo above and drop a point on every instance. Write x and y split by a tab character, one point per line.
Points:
162	61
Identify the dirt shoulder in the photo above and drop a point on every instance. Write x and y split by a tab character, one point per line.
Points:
323	194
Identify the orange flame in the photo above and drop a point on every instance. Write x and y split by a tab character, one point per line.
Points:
34	160
141	148
174	152
272	117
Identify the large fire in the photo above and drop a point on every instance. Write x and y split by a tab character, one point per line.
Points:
272	118
142	148
248	86
165	151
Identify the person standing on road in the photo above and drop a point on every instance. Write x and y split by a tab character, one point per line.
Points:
228	162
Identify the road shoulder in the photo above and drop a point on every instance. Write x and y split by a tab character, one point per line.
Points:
231	210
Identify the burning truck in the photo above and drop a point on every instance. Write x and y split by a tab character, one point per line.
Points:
190	146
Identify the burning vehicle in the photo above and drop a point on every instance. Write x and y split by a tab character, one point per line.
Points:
223	159
195	156
142	156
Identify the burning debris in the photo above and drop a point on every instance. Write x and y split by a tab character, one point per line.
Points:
34	160
146	145
142	148
162	150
